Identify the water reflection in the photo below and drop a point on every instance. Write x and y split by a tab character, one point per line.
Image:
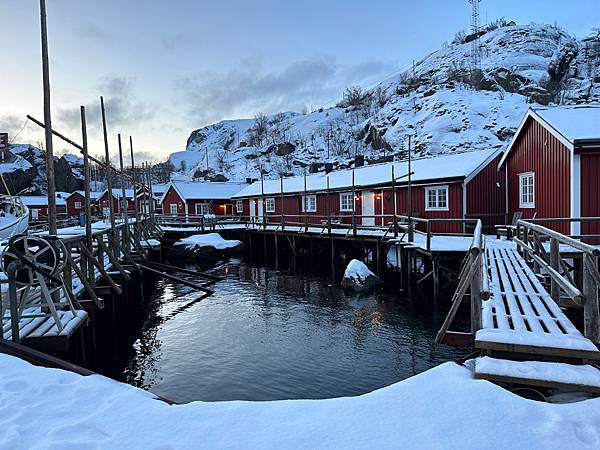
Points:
267	335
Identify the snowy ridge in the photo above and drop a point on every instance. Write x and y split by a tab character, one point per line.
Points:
439	104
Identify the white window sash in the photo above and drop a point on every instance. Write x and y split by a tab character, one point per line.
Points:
270	204
309	203
346	201
436	198
527	190
173	208
239	206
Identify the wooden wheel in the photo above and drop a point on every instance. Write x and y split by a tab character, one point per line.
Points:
36	255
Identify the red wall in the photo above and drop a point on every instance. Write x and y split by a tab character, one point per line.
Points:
486	196
103	202
172	197
71	210
590	193
537	150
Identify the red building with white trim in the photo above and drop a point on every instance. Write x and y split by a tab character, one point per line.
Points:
552	166
452	186
189	198
75	202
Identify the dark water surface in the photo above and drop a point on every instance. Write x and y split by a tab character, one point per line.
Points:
266	335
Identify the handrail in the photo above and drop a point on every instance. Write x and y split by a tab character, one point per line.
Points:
586	248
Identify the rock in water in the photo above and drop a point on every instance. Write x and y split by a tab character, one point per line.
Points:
359	278
209	244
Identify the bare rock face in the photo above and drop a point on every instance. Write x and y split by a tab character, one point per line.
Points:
68	171
18	175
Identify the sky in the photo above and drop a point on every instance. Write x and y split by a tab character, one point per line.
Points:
167	67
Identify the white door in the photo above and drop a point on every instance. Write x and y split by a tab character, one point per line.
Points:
368	208
252	210
261	207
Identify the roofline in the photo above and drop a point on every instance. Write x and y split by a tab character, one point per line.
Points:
481	166
533	114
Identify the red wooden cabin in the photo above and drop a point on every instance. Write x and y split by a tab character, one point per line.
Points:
454	186
38	206
196	198
76	202
552	167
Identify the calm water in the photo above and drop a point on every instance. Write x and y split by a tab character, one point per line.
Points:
266	335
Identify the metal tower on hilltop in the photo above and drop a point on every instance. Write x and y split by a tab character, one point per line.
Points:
475	53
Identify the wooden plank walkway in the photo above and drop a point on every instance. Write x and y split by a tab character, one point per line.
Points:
521	317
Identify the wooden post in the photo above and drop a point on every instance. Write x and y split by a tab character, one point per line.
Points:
113	225
411	236
555	264
435	267
328	207
151	195
304	204
135	200
353	206
395	209
87	265
475	292
126	243
52	227
281	206
591	315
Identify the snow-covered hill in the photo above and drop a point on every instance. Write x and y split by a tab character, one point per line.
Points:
441	103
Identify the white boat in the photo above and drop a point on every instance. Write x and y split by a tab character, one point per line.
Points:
14	217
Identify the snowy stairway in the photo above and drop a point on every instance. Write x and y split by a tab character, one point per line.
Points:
536	373
521	317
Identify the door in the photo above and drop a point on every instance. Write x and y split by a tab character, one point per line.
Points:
368	208
252	210
261	212
173	209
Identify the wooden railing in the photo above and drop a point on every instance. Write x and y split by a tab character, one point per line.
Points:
577	278
473	276
391	226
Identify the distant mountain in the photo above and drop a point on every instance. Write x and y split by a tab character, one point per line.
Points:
27	173
443	104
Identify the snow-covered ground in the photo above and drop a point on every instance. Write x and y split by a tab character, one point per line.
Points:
443	408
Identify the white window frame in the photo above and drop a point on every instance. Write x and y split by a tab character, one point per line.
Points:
270	204
203	210
530	202
239	206
35	213
309	203
346	207
437	190
77	205
173	210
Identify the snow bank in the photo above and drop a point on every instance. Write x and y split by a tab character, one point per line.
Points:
441	408
198	241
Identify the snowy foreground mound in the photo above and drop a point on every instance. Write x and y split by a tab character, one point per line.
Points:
441	408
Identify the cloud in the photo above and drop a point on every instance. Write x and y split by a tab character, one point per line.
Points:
249	88
124	110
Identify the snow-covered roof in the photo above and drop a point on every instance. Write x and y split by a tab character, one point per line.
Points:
458	165
569	124
574	123
42	200
209	190
117	192
94	195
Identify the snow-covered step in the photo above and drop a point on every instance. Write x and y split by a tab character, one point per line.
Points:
539	373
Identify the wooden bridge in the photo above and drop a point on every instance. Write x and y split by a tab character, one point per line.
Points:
517	323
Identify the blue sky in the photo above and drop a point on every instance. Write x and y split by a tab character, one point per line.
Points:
167	67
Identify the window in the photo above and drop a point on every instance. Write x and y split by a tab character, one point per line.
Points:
77	205
270	204
309	203
202	209
173	209
239	206
436	198
527	190
346	201
34	213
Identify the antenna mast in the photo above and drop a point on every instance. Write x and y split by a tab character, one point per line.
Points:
475	53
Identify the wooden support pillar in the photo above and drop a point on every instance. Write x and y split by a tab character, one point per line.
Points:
591	314
555	264
276	251
332	240
435	267
475	260
409	265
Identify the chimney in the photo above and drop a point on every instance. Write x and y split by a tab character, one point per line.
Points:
313	168
328	167
359	160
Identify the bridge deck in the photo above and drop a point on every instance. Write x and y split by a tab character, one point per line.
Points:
520	316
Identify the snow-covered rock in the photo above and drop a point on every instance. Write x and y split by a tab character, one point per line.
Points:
210	243
437	102
359	278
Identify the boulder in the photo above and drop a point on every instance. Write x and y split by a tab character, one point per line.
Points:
359	278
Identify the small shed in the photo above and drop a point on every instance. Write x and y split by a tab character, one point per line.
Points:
38	206
75	202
